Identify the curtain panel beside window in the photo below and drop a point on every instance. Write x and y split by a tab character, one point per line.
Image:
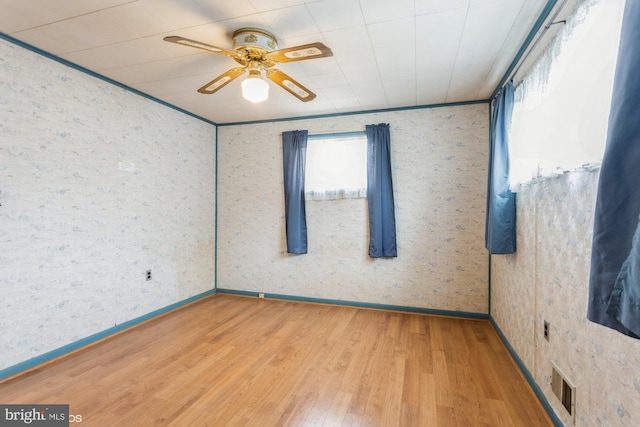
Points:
294	153
382	222
500	226
614	283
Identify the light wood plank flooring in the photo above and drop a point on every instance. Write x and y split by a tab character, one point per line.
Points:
229	360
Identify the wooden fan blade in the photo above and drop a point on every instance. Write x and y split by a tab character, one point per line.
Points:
290	85
221	81
300	53
200	45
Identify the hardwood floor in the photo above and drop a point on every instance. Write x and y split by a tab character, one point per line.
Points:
229	360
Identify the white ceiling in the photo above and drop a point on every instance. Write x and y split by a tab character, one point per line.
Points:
386	54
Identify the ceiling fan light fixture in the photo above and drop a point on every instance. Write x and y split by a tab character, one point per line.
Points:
255	89
256	50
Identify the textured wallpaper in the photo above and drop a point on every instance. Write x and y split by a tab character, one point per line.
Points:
439	158
548	279
97	186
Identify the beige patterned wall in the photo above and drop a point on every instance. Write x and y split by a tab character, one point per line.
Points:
97	186
548	280
439	160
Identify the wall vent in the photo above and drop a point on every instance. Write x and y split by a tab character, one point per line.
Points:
564	390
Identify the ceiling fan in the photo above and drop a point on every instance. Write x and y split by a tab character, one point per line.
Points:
256	51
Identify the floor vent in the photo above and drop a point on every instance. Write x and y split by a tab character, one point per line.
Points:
564	390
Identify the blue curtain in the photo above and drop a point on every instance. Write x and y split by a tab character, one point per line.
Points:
614	282
294	154
382	221
500	226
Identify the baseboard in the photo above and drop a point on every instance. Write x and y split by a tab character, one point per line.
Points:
401	308
38	361
530	379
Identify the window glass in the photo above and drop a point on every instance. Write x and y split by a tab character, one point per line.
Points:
561	108
336	167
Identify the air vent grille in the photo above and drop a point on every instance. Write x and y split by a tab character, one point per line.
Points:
564	390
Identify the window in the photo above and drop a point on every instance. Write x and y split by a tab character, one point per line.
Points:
561	108
336	166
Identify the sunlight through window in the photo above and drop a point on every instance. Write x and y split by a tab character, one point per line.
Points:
561	109
336	167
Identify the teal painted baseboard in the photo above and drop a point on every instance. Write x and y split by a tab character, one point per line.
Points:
401	308
532	382
66	349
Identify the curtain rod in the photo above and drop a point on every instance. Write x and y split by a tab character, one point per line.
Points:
540	36
517	64
336	134
341	133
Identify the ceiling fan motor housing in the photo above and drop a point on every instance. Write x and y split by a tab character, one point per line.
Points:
254	38
256	43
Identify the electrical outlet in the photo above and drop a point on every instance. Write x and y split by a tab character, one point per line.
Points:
148	275
546	330
260	295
